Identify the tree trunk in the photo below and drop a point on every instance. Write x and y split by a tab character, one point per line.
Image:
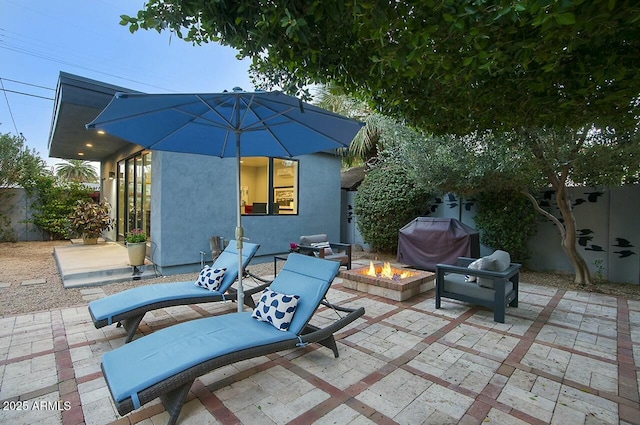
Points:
567	233
569	238
557	177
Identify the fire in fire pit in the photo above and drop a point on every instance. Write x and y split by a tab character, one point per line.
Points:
386	271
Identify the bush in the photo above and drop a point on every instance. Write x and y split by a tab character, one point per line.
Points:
54	202
90	218
507	221
387	200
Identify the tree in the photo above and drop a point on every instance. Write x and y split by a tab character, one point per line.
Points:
387	199
528	68
379	132
19	166
524	161
18	163
449	66
77	170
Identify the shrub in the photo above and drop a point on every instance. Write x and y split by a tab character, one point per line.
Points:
91	218
507	221
386	200
54	202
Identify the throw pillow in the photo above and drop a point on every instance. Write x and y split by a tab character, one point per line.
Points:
325	246
499	261
210	278
276	308
475	265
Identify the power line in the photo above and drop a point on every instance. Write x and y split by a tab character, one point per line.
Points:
22	93
27	84
9	107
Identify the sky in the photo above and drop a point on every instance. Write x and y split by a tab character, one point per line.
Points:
41	38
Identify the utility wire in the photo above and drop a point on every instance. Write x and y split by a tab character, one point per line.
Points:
22	93
9	107
27	84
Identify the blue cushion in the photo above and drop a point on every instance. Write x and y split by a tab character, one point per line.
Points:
309	278
146	361
276	309
106	308
149	360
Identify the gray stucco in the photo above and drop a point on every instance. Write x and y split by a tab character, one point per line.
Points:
194	198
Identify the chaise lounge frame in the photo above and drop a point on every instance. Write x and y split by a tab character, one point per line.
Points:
130	319
174	389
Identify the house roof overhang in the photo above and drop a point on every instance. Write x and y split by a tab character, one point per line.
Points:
78	101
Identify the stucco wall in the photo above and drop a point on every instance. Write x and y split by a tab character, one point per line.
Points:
194	198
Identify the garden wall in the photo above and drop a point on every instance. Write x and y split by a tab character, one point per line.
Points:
14	211
608	231
606	219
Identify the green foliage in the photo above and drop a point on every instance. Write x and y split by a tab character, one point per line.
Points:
19	165
54	202
90	218
446	66
386	200
136	236
507	221
77	170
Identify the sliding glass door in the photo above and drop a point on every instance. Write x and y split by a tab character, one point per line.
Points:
134	194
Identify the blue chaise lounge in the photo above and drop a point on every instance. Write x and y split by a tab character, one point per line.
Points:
166	363
127	308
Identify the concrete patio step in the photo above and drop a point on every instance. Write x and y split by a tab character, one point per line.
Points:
92	265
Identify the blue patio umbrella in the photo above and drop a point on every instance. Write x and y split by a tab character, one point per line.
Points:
229	124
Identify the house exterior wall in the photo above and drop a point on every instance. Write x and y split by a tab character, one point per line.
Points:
193	197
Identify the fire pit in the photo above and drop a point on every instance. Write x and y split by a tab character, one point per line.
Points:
396	283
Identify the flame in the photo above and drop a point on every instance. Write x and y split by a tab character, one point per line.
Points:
386	271
372	270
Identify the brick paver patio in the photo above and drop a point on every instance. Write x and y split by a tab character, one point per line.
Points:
562	357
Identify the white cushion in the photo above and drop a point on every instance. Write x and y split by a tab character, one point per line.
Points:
276	308
210	278
323	245
476	265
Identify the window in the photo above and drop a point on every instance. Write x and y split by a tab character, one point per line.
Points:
269	186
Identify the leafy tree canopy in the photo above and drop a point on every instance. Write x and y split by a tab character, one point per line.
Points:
446	66
19	165
77	170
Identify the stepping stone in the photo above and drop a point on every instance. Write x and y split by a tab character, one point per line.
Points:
4	285
34	282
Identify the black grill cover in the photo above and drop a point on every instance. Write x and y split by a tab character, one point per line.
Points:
427	241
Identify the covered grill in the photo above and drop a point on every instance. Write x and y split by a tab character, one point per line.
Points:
427	241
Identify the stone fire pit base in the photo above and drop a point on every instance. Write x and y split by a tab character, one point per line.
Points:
397	290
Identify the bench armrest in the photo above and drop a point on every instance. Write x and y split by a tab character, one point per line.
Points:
511	271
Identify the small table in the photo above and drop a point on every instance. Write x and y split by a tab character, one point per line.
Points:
282	257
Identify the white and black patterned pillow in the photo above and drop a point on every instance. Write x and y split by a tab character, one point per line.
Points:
276	309
323	245
210	278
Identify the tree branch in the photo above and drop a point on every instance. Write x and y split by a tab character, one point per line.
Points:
547	214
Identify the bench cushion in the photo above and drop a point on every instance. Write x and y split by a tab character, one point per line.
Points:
456	284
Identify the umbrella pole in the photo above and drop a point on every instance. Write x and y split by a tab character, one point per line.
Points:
239	230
